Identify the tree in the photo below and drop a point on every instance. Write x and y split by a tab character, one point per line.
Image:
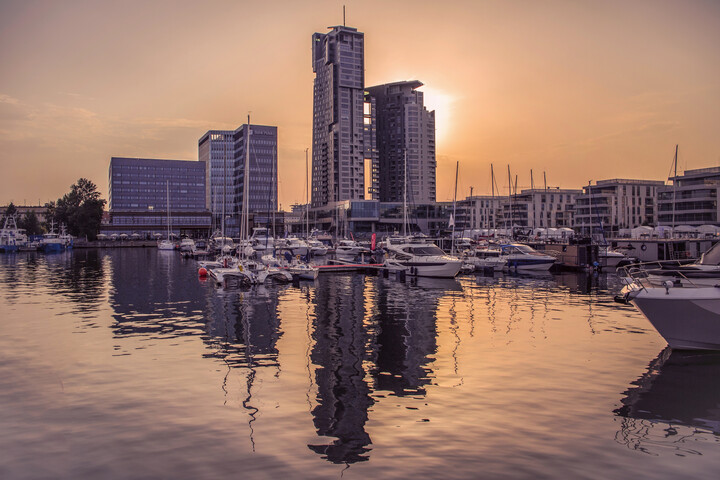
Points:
31	224
81	209
9	211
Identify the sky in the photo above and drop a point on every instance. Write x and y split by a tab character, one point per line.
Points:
575	90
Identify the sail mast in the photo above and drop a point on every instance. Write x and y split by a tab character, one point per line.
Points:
452	240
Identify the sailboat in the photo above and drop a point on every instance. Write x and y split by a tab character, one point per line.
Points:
167	244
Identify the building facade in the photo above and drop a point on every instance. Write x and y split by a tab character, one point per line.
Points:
227	151
338	149
217	149
139	192
539	208
691	199
405	132
610	205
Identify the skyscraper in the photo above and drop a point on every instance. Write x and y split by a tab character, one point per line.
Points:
225	153
339	132
404	126
217	149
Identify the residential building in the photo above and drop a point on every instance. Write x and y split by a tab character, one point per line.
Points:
478	212
610	205
338	149
692	199
139	192
539	208
405	132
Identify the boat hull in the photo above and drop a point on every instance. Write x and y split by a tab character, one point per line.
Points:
687	318
530	264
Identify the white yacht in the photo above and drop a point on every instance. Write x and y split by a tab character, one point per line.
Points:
187	245
686	316
349	249
262	240
317	248
486	257
523	257
420	258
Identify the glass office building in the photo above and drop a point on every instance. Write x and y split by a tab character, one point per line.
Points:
139	193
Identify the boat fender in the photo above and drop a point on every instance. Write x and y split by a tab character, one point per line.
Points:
225	262
668	284
643	247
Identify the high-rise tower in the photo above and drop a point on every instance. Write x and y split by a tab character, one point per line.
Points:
404	127
339	132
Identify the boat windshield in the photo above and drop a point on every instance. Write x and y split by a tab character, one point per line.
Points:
712	256
519	248
424	250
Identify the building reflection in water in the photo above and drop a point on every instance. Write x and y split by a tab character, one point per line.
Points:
677	399
343	394
370	334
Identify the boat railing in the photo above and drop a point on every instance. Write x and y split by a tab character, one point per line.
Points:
639	274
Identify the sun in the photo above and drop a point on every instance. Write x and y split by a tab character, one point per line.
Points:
442	103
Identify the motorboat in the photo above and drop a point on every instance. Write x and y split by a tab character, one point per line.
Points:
350	249
523	257
187	245
703	272
317	248
295	245
686	315
249	272
608	257
486	257
420	258
261	240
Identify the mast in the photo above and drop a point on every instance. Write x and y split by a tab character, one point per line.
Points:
532	195
674	190
452	239
405	220
167	188
307	199
273	190
246	177
492	189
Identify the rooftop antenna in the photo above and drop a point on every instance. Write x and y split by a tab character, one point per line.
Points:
344	16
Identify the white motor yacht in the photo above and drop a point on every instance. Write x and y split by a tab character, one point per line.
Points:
317	248
687	317
523	257
349	249
261	240
420	258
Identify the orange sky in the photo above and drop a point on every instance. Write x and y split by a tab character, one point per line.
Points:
581	90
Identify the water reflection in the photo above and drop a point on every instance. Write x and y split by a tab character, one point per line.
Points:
78	275
677	398
339	351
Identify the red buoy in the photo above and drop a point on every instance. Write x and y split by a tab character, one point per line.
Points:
202	272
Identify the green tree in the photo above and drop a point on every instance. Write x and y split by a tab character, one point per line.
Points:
80	210
31	224
10	210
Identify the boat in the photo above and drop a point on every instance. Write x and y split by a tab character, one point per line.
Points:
486	258
687	316
53	242
703	272
350	249
421	258
523	257
261	240
608	257
12	238
187	245
317	248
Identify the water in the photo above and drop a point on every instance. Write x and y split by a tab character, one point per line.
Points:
122	364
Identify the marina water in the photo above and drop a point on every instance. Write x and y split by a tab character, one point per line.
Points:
121	363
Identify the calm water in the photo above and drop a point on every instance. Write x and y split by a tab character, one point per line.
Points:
122	364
